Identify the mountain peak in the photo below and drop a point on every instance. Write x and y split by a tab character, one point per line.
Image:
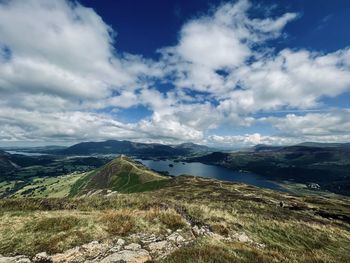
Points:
121	174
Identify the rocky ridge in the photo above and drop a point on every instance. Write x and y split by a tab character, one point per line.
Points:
136	248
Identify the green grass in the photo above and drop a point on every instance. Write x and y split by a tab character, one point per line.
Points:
57	186
293	233
123	175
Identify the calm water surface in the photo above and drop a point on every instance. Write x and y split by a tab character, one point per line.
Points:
26	153
212	171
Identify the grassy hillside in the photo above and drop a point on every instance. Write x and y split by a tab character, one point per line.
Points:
121	174
302	229
178	219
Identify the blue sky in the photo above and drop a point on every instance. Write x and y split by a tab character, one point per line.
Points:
221	73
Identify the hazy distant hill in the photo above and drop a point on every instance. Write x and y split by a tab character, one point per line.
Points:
306	146
6	165
323	145
133	148
192	147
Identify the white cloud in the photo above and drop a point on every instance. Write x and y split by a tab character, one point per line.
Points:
73	126
332	126
62	48
333	123
223	40
58	65
294	79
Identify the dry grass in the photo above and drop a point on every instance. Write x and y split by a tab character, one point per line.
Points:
30	233
119	222
169	217
28	226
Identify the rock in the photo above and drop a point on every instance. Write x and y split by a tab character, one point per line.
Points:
81	254
17	259
195	230
176	238
120	242
133	246
148	239
42	257
160	245
242	237
201	231
128	256
180	239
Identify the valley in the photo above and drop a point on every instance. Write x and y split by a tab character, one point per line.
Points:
191	208
124	210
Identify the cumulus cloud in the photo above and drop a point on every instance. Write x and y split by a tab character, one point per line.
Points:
333	123
332	126
75	126
224	41
62	48
59	71
292	79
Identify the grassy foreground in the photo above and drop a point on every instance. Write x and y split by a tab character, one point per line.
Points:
291	229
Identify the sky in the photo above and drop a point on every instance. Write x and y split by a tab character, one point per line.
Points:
220	73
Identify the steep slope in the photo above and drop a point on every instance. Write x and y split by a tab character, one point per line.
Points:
122	175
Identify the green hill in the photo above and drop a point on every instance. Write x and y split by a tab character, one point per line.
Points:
185	219
121	174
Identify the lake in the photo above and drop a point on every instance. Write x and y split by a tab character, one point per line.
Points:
212	171
26	153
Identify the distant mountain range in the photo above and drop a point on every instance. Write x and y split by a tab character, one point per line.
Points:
133	148
305	145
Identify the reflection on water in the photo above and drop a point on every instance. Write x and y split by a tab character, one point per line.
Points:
212	171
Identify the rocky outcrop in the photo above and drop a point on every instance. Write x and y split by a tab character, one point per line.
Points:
17	259
136	248
128	256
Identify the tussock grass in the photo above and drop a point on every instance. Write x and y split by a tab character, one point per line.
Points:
119	222
30	233
32	225
208	250
169	217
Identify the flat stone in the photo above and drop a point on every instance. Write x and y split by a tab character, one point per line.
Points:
82	253
242	237
120	242
133	246
176	238
161	245
128	256
17	259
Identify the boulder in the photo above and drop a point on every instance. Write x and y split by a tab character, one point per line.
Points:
120	242
160	245
42	257
176	238
17	259
82	253
128	256
133	246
